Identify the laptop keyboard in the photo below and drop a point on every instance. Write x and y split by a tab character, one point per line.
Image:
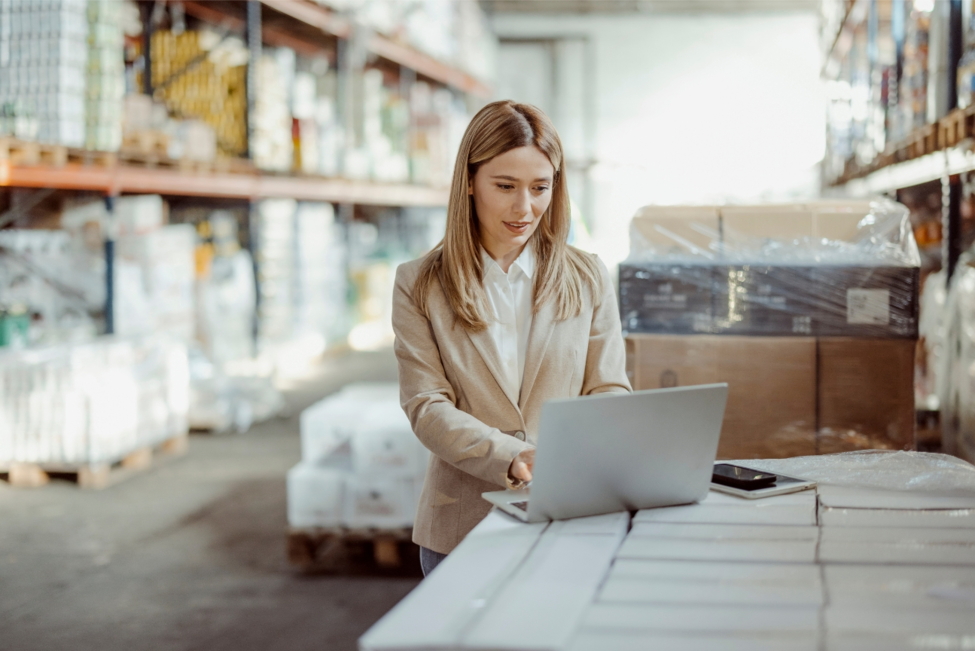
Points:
521	505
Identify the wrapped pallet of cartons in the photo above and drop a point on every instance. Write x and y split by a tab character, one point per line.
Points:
808	311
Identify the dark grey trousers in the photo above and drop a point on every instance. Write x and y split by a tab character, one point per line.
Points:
429	560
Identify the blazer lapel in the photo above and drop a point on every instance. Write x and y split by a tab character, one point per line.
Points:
543	323
485	347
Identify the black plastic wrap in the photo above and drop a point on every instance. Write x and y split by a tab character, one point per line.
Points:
822	270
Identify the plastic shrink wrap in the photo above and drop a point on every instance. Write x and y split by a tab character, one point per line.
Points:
808	311
957	386
94	402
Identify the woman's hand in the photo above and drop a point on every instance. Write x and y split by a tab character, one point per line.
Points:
521	466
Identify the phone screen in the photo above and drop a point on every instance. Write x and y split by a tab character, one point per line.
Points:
746	478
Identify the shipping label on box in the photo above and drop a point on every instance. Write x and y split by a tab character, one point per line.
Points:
867	302
868	306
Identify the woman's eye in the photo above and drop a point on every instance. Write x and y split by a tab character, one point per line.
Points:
505	187
541	188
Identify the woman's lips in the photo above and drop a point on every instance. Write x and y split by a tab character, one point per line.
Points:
517	227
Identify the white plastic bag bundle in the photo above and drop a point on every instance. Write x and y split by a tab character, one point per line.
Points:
881	469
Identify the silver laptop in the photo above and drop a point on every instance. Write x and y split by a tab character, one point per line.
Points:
621	452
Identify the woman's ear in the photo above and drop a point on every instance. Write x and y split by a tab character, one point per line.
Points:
470	186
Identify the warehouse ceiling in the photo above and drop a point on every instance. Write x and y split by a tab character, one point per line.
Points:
647	6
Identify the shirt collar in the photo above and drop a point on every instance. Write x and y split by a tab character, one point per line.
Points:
525	262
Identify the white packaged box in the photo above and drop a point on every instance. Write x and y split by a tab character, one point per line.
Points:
139	213
316	496
379	502
334	420
383	442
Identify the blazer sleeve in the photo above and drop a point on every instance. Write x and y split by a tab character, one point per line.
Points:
429	400
606	357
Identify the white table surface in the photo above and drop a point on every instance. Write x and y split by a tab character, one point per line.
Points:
844	569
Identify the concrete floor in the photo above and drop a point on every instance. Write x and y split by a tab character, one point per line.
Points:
189	555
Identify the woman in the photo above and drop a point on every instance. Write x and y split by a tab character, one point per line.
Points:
501	316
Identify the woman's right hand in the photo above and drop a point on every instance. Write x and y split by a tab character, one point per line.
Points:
522	465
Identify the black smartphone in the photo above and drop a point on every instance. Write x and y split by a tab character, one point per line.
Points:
744	478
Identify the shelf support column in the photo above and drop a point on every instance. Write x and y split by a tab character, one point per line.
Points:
110	235
955	47
146	9
951	196
253	29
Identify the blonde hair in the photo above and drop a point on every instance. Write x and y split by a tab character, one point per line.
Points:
563	273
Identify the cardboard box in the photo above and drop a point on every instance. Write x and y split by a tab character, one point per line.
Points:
866	394
772	386
790	396
676	230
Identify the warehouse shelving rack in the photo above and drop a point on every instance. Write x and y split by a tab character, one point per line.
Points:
309	29
942	151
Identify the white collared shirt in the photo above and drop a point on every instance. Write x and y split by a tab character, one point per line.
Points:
509	300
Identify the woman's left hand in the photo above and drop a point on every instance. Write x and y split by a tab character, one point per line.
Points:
522	465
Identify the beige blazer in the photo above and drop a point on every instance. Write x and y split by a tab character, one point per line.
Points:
452	390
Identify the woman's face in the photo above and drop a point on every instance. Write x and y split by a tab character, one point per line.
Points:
511	193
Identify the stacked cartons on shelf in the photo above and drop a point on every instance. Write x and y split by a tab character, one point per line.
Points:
42	68
155	270
361	466
321	282
302	282
106	76
201	78
808	312
271	145
275	252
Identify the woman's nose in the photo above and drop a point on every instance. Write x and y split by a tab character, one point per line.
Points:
523	203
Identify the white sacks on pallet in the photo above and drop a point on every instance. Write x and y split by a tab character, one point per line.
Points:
93	402
316	496
361	464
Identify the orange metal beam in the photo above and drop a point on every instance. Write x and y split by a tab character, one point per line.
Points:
140	180
313	15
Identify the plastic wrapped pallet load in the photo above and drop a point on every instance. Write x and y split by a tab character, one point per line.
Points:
808	311
91	403
361	466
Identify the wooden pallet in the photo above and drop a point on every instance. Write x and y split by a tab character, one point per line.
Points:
91	157
23	153
99	475
326	548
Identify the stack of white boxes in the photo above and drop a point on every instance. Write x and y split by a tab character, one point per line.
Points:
271	142
320	277
42	66
106	75
155	272
275	250
362	466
